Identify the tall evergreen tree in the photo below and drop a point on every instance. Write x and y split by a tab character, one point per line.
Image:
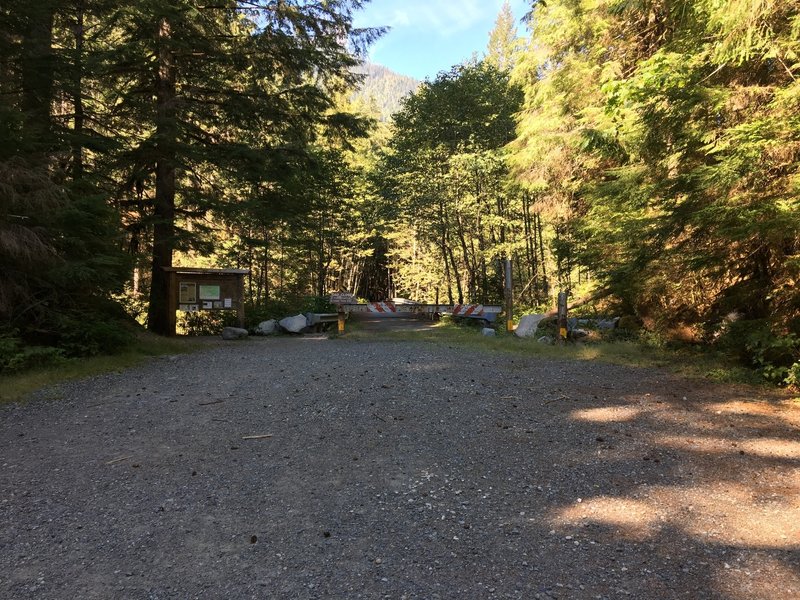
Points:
504	42
240	91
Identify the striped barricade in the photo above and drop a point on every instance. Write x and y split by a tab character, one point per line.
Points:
381	307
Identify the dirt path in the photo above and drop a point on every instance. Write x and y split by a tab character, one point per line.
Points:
397	470
366	322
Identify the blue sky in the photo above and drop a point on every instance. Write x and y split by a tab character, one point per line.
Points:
428	36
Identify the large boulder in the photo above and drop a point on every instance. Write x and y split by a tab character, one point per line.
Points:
267	327
528	325
234	333
294	324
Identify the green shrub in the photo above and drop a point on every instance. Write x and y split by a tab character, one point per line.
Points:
774	355
83	335
206	322
31	357
793	376
14	357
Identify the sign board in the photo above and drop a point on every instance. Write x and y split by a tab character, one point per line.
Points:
188	292
209	292
343	298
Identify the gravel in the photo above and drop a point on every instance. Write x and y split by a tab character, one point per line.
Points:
386	469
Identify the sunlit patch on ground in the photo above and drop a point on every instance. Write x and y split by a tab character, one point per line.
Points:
629	518
607	414
764	447
728	515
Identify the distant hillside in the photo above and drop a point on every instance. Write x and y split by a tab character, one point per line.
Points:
384	89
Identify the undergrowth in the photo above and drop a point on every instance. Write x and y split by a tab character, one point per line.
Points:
14	387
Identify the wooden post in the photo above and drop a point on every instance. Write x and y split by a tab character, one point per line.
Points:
509	294
172	303
340	318
240	304
562	317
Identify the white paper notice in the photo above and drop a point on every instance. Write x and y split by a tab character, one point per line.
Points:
228	303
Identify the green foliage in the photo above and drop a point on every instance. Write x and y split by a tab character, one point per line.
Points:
16	357
98	334
204	323
279	308
445	177
773	354
131	132
663	139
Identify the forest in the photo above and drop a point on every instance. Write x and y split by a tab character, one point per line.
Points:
642	154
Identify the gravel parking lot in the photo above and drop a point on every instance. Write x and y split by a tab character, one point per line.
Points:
335	468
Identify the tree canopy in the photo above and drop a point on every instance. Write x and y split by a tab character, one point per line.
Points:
644	152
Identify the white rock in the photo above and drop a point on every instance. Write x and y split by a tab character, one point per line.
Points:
294	324
488	332
267	327
528	325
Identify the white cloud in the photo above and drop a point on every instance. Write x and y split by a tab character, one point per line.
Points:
445	17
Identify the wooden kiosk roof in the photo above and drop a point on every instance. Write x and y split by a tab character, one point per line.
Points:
203	271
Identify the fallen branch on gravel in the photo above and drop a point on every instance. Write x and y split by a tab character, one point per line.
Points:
120	459
257	437
212	402
555	400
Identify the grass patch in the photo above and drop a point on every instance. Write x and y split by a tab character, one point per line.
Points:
16	387
689	361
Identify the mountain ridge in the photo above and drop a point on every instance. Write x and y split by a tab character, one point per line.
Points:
383	89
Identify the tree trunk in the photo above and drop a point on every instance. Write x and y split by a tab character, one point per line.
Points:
37	76
456	275
164	204
77	93
265	268
471	275
545	283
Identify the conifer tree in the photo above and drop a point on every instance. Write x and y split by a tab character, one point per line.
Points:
504	42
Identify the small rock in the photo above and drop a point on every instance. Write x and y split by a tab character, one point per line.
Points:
267	327
234	333
488	332
546	339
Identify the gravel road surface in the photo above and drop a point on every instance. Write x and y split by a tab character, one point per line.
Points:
397	469
367	322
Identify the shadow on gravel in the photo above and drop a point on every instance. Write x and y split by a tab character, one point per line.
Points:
298	468
706	489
